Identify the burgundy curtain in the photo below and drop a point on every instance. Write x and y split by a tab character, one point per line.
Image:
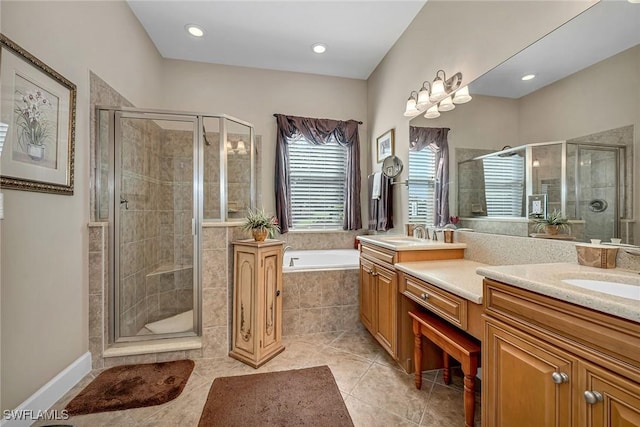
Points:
435	139
318	132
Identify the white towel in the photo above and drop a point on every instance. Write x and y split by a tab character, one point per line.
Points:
377	185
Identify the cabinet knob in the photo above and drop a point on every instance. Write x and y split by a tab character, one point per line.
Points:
560	377
278	293
592	397
424	296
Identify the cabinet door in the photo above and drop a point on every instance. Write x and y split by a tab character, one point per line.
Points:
519	388
367	297
620	404
270	311
386	291
244	304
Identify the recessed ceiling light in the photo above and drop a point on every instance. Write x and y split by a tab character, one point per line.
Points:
528	77
194	30
319	48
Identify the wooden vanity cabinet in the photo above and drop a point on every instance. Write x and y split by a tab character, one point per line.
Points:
383	311
551	363
257	301
378	293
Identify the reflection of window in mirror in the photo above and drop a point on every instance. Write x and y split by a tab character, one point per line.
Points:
504	185
421	186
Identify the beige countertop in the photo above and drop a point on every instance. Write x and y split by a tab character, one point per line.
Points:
400	242
547	279
457	276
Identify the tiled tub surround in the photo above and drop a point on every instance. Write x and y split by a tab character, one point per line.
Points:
320	301
320	239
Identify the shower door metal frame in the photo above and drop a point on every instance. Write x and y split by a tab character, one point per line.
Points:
198	200
115	174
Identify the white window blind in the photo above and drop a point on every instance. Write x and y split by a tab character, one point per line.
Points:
504	185
317	175
421	186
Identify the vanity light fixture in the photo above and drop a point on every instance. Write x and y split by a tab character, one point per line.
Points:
462	96
319	48
438	95
446	104
194	30
536	163
411	109
239	148
432	112
423	96
528	77
634	1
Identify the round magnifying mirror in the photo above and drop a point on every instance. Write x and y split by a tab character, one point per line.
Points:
392	166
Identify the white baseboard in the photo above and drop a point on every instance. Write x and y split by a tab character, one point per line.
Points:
48	394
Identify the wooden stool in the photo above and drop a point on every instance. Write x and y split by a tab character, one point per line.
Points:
454	343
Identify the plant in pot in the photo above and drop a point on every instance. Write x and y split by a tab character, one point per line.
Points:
260	224
553	223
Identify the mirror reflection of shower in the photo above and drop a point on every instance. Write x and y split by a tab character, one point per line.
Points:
586	178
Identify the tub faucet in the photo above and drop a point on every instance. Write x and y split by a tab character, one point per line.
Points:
421	232
291	262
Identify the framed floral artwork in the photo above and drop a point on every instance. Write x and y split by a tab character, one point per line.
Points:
384	145
39	105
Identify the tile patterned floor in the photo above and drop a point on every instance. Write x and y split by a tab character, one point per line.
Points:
377	392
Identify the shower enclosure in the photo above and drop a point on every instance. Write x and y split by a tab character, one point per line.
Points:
159	176
586	182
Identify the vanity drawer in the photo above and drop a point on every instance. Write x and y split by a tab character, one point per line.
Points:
382	254
446	305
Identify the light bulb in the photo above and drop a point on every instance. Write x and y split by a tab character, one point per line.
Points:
432	112
437	90
423	97
411	109
446	104
194	30
462	96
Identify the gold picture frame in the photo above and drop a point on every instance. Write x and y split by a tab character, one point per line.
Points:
39	105
385	144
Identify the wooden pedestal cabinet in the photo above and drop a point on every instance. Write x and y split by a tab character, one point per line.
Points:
257	301
550	363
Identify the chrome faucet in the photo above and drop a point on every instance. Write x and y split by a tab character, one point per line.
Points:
421	232
435	235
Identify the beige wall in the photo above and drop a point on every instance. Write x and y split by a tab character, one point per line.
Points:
484	35
255	95
44	237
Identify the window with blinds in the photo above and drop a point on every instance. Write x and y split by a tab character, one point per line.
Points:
317	176
422	171
504	185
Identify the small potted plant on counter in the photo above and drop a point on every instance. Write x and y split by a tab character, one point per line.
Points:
260	224
553	223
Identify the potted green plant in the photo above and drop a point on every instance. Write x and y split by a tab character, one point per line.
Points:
260	224
553	223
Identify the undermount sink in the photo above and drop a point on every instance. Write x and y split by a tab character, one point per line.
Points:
611	288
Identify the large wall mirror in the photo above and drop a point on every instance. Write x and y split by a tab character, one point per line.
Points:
567	137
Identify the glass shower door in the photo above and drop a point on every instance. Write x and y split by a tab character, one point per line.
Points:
597	192
155	212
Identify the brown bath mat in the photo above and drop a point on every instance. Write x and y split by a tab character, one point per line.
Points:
308	397
132	386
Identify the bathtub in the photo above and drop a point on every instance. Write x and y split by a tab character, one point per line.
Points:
315	260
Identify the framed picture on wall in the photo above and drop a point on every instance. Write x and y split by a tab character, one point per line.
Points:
385	145
39	105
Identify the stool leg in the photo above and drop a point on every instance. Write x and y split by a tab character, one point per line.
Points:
446	372
417	353
470	372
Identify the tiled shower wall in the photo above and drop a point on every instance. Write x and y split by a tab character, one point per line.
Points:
217	278
140	222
